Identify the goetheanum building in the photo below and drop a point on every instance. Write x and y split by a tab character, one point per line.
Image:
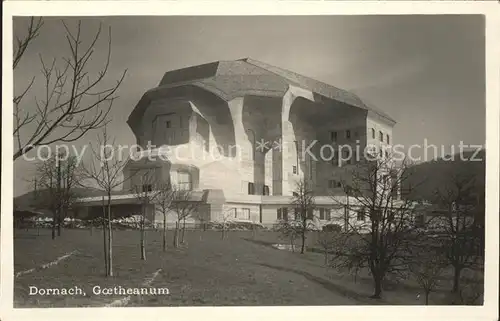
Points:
241	133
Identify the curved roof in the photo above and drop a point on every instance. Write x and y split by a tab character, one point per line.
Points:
231	79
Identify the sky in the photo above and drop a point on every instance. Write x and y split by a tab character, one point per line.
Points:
426	71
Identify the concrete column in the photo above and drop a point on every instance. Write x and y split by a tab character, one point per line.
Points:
215	200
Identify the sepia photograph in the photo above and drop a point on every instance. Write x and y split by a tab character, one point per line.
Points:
268	160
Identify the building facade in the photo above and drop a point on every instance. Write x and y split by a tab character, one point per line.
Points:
241	134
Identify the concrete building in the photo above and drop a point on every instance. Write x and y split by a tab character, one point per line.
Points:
240	134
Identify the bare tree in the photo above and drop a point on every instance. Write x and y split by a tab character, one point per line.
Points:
183	205
289	231
380	224
427	267
457	226
326	240
73	103
163	201
54	183
146	194
106	171
304	205
224	220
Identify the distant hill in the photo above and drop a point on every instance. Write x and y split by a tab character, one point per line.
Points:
428	177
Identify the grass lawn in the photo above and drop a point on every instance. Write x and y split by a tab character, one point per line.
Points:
205	271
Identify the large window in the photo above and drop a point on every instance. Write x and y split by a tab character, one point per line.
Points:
387	139
328	214
325	214
381	136
333	136
334	184
184	181
335	161
245	214
251	188
373	133
282	213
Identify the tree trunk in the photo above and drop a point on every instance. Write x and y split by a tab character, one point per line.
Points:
378	286
143	243
54	217
110	239
105	241
427	297
183	230
456	279
176	235
326	256
59	225
164	232
303	242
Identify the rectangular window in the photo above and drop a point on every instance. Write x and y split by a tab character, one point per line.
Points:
348	134
265	190
381	136
184	180
373	133
310	213
387	139
251	189
328	215
245	214
361	214
334	158
168	124
333	136
285	213
294	169
321	213
235	213
279	214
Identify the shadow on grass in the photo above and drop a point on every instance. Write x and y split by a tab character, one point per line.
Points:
260	242
361	298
